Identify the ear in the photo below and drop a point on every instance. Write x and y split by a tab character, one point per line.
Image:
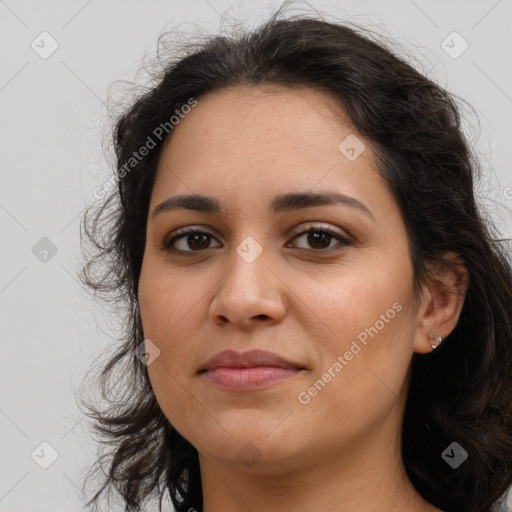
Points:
443	298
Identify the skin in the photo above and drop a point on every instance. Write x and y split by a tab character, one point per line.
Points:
340	451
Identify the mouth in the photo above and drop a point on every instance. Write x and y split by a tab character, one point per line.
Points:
252	370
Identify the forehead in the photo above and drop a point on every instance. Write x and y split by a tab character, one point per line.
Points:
261	139
247	120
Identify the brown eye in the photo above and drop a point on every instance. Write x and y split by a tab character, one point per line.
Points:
321	240
198	241
190	241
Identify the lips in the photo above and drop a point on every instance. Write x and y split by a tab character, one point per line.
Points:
250	359
252	370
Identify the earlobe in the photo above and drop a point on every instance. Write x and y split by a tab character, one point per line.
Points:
439	313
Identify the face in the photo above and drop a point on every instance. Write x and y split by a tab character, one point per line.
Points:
325	283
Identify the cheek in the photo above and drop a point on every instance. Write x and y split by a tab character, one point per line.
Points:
359	300
368	319
171	318
167	312
166	300
362	367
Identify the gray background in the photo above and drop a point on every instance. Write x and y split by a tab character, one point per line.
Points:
52	124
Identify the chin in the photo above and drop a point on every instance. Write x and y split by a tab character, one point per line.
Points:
253	455
246	434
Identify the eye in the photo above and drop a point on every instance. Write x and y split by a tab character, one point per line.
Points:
189	240
321	239
193	240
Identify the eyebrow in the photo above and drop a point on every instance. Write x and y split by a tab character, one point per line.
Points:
281	204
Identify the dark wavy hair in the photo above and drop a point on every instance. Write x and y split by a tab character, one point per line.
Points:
462	392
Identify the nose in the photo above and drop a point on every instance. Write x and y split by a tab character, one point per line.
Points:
249	294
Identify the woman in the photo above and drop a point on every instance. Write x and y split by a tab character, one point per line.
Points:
318	317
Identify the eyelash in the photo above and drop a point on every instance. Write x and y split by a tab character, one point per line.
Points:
184	232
